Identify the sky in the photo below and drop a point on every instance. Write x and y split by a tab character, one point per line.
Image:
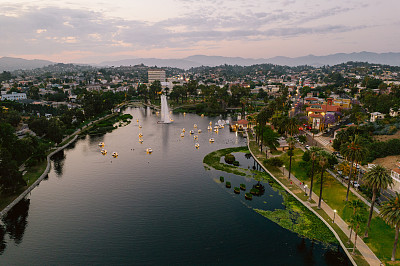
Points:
93	31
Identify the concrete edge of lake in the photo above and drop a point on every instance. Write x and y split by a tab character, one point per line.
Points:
308	207
36	183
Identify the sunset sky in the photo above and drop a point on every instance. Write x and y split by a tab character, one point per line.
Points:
91	31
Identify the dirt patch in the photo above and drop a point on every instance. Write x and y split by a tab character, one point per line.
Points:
389	162
387	137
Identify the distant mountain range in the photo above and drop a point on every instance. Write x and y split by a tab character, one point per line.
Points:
10	64
312	60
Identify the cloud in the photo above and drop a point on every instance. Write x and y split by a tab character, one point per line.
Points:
35	30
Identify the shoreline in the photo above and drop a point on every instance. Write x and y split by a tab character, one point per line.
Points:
74	136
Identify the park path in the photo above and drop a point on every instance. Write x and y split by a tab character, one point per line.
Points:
365	251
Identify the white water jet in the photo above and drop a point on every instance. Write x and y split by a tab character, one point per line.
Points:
165	116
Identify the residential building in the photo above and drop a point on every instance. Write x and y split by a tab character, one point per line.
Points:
317	112
14	96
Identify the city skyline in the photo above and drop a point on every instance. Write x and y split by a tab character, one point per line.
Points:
93	31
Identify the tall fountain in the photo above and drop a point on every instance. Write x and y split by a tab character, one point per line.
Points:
165	117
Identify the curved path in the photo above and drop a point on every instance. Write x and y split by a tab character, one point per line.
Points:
366	252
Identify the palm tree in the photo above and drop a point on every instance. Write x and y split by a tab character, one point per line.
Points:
292	126
356	205
323	162
390	212
314	155
262	118
355	222
377	178
353	151
291	141
270	139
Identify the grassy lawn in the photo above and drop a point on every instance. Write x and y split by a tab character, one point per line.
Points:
32	174
381	236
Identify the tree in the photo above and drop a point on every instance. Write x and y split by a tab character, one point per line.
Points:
270	138
314	155
323	163
376	178
353	151
262	120
292	126
355	205
390	212
355	223
291	141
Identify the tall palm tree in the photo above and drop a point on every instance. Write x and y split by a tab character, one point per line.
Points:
353	150
390	212
291	141
262	118
270	138
355	205
377	178
323	162
292	126
314	155
355	223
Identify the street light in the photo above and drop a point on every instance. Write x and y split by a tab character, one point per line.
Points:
283	170
305	189
334	214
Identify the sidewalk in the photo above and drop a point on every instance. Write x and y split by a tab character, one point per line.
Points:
366	252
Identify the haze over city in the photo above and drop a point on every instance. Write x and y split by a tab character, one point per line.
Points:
91	31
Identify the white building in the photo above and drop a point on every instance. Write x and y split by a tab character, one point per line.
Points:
14	96
156	74
375	116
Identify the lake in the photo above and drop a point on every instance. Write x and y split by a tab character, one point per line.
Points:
158	208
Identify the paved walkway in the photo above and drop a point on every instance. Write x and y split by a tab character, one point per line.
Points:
366	252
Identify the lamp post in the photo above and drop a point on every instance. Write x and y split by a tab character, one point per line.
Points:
305	189
334	214
283	170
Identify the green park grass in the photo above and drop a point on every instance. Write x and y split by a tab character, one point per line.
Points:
381	236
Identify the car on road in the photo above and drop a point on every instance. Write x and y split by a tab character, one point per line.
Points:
307	147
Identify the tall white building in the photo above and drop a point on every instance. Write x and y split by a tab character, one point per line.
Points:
156	74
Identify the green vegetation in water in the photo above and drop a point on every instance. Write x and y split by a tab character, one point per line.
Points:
221	178
248	196
242	186
228	184
254	191
213	160
109	124
297	218
235	163
236	190
230	158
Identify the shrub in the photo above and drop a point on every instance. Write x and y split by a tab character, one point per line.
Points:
274	161
229	158
254	191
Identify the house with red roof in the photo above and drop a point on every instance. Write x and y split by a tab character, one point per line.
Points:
317	112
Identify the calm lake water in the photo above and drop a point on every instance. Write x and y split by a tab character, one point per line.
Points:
159	208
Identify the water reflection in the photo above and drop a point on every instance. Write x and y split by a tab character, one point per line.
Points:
58	160
16	220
